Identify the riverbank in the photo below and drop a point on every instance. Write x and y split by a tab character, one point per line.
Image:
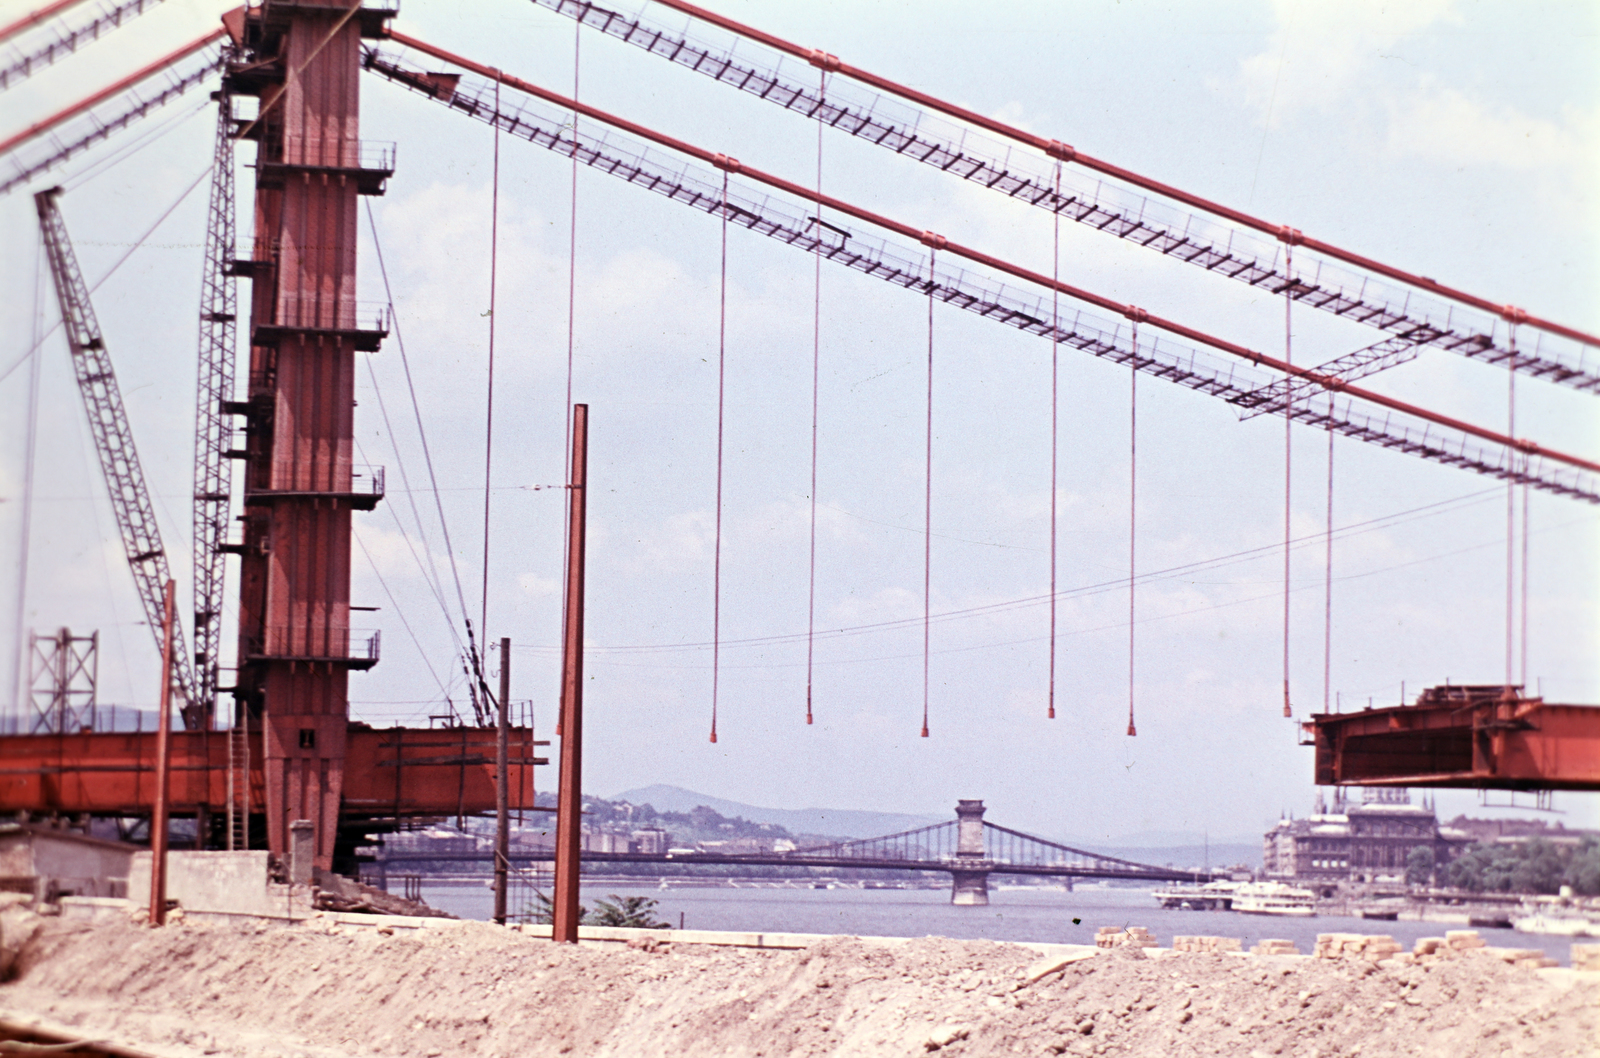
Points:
327	988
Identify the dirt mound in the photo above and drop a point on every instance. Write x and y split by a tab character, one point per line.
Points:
474	989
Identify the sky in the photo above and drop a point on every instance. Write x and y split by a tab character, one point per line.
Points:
1457	140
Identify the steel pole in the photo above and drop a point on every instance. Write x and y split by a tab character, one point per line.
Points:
502	798
569	807
158	820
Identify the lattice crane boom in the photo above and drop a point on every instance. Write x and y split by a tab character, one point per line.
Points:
212	428
113	442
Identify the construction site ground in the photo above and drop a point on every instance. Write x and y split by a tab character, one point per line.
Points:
328	986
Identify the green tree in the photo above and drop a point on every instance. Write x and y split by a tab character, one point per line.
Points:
636	912
1419	865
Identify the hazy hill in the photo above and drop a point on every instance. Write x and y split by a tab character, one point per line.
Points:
835	822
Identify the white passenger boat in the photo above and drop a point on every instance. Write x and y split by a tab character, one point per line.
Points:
1274	898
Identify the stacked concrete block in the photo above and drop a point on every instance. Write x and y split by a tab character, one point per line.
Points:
1428	946
1463	940
1123	937
1207	944
1532	958
1275	947
1586	957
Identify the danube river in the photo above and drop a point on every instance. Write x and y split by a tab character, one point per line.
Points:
1021	914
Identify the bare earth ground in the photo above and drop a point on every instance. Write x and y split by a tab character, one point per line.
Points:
321	990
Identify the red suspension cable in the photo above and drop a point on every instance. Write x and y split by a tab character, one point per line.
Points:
1057	149
488	415
816	368
572	316
1288	463
1327	590
1511	504
1133	505
1055	374
988	260
716	567
927	506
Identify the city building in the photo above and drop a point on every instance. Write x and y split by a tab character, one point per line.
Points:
1364	841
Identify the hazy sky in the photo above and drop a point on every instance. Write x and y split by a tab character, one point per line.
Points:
1458	140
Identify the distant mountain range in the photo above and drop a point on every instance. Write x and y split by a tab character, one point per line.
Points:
1180	848
834	822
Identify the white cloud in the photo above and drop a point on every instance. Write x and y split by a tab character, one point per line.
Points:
1322	53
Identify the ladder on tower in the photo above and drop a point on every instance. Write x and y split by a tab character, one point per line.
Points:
238	790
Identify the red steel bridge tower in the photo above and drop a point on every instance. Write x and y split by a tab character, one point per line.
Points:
301	60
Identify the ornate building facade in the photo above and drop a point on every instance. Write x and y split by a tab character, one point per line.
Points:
1366	841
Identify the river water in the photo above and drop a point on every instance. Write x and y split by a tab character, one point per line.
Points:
1018	914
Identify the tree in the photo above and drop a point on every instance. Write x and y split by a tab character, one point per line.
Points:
632	912
1419	865
635	912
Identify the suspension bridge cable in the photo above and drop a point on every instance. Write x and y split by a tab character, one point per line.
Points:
1133	506
1523	675
927	505
434	587
99	168
429	570
1288	464
416	411
572	327
488	409
29	455
137	243
1511	502
1055	443
816	376
384	584
1439	507
722	369
1327	590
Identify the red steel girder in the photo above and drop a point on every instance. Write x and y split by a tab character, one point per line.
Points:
1475	738
390	773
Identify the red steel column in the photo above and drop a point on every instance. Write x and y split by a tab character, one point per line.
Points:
295	577
569	803
158	818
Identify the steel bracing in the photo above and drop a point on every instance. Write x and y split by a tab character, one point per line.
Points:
1250	257
212	427
113	442
1232	380
71	40
29	156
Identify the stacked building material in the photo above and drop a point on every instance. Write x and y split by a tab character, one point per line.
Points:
1207	944
1123	937
1271	946
1461	940
1531	958
1586	957
1356	945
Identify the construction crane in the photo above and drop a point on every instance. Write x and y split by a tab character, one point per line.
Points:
212	426
113	442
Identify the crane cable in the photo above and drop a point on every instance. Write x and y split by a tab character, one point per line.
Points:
716	565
